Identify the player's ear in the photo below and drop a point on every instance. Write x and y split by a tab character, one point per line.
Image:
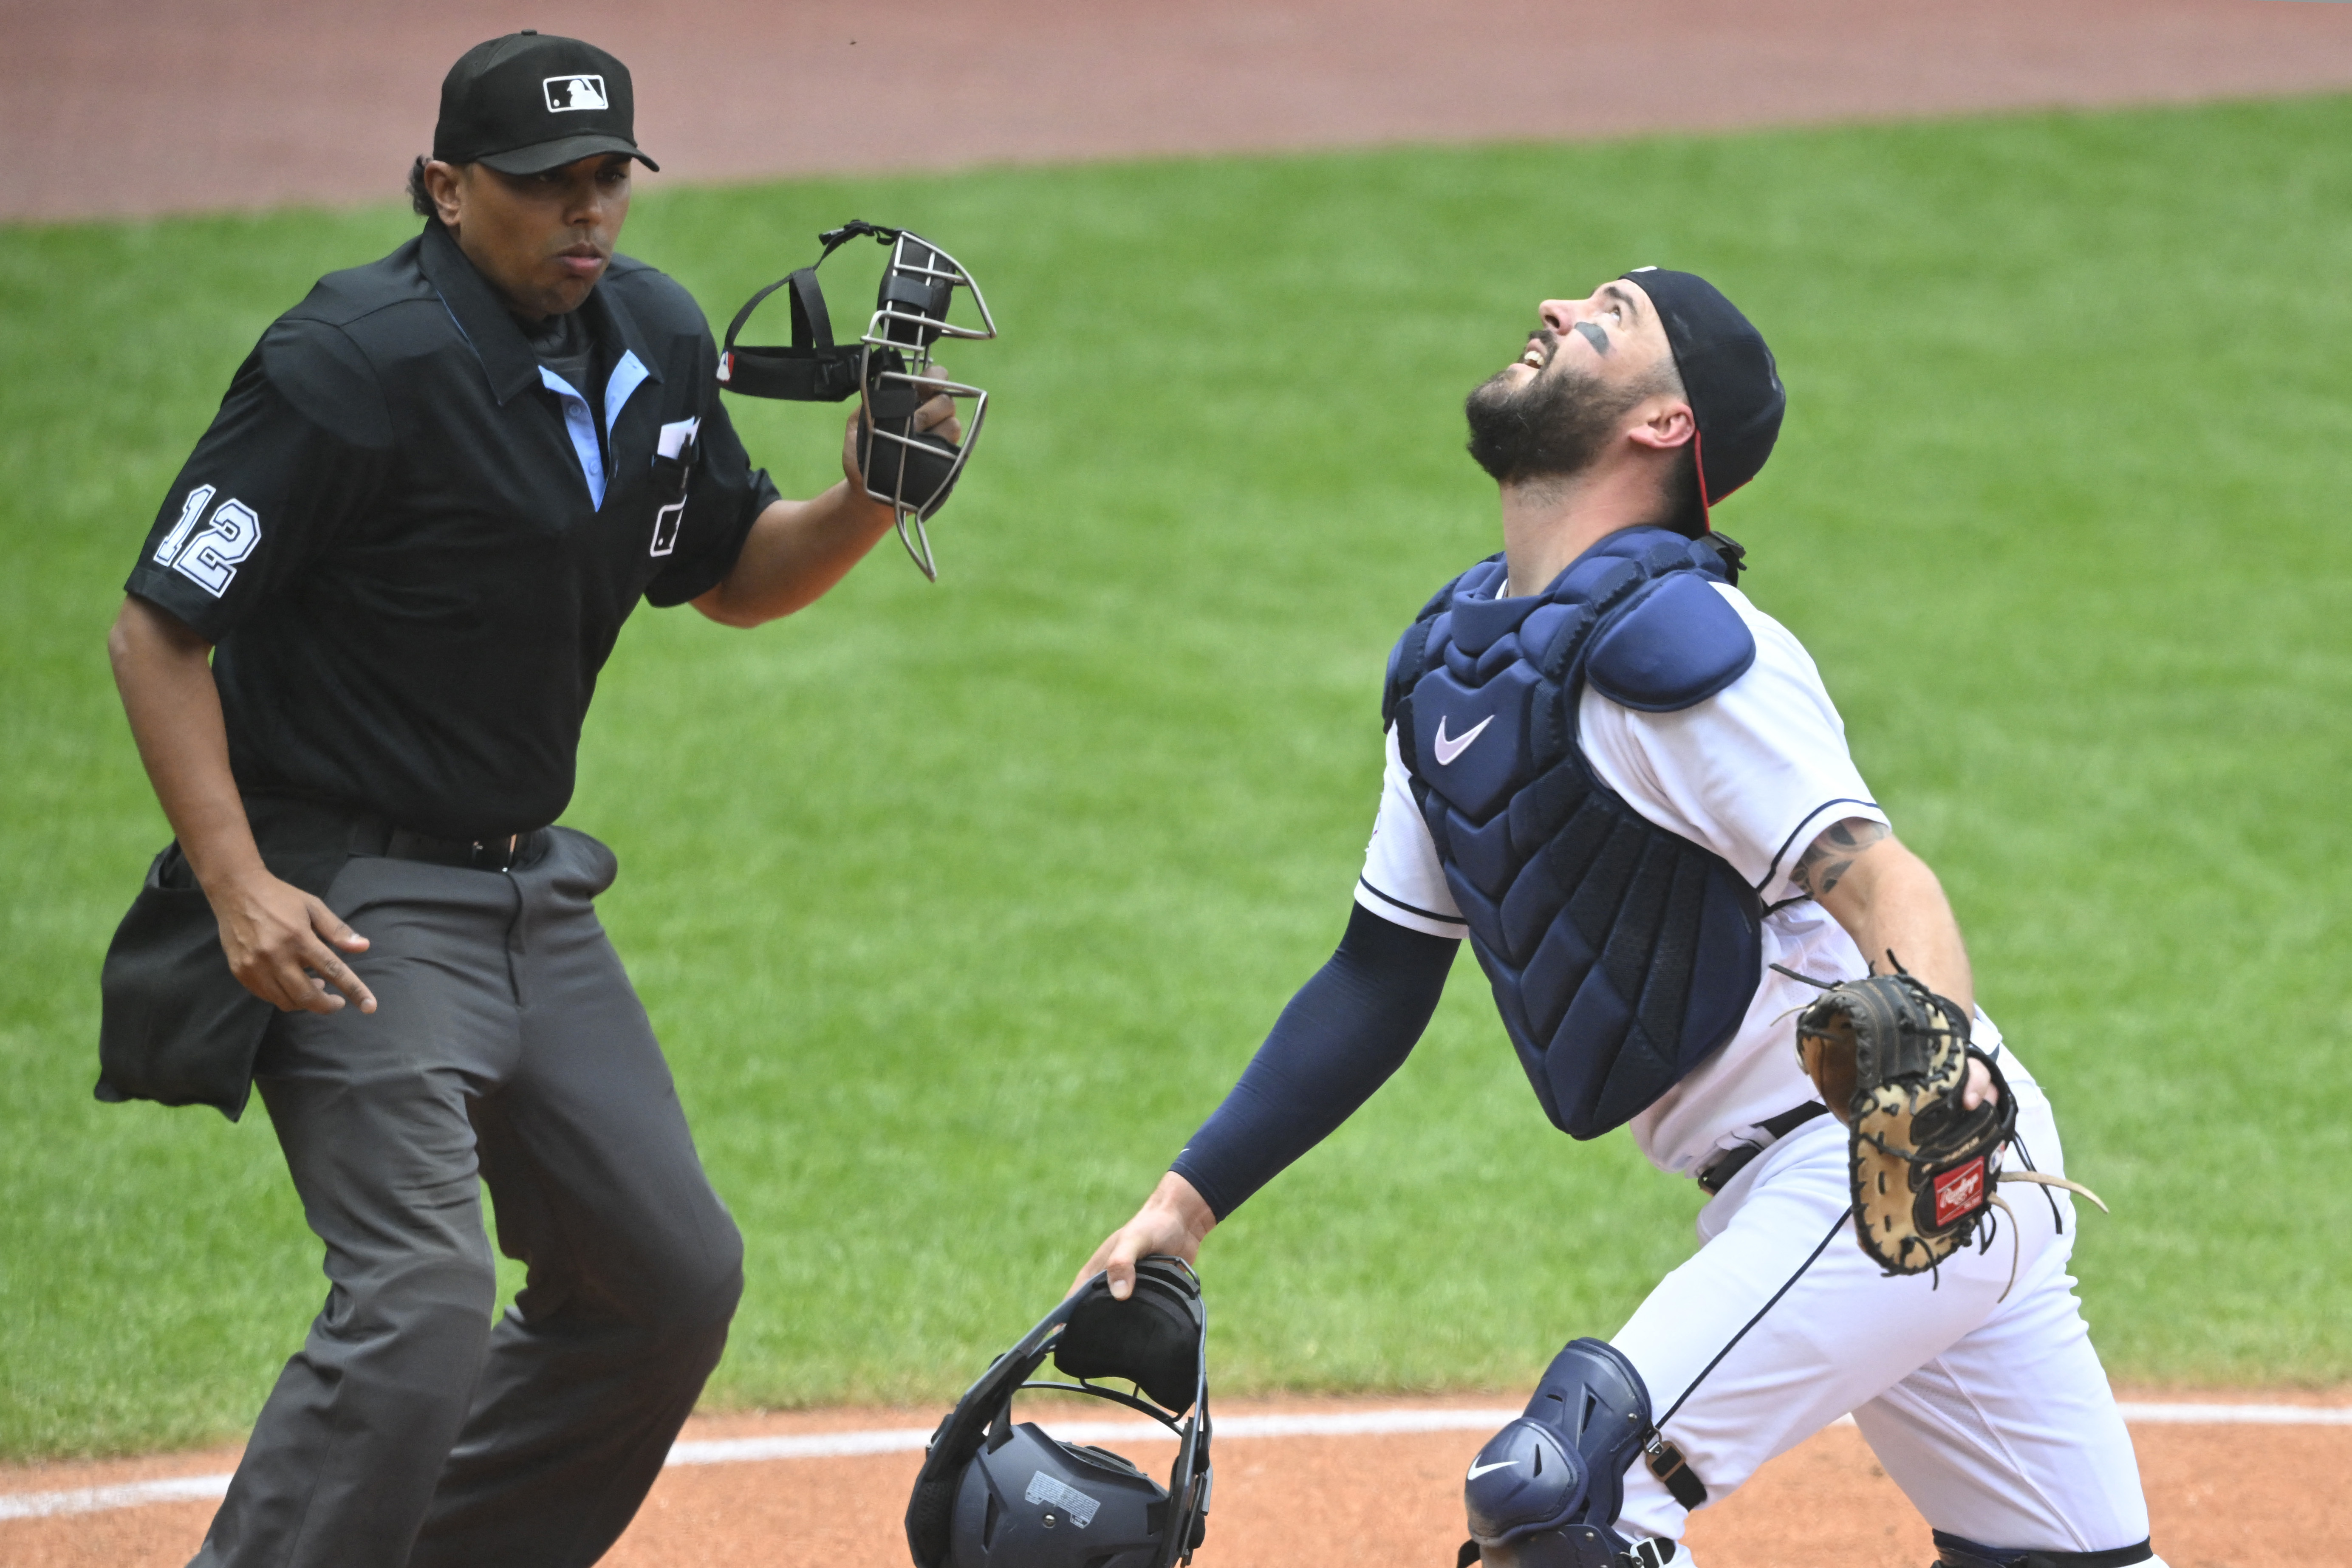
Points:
1662	424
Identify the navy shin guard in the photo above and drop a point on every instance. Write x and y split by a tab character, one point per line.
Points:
1546	1489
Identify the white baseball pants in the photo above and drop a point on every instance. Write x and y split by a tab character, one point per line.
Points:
1994	1416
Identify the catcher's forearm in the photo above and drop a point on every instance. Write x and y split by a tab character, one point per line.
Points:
1347	1030
1888	900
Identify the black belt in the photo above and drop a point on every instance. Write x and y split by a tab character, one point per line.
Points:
502	854
1717	1173
319	827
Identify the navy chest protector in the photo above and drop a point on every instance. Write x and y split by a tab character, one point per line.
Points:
1621	955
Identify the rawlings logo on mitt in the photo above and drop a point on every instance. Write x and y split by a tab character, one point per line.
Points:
1891	1059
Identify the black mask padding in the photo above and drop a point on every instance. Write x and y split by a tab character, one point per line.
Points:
1152	1339
903	292
913	468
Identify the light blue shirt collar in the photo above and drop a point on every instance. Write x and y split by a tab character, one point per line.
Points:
626	378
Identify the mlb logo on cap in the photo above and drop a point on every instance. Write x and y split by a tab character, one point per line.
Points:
565	93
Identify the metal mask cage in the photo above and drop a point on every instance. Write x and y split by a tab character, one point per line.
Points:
895	372
899	339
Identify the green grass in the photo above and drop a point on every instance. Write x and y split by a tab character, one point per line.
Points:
958	907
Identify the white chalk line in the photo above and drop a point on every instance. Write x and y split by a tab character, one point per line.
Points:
98	1500
911	1440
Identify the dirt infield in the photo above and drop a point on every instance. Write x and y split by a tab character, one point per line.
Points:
2222	1495
142	106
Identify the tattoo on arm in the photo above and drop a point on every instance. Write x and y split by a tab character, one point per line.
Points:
1833	854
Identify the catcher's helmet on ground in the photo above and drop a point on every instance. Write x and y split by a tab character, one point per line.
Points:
995	1495
890	364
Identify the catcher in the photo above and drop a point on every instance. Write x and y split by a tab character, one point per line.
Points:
1624	784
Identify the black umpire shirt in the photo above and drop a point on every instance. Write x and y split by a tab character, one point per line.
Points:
413	552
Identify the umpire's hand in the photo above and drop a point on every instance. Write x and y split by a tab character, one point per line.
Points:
1173	1219
282	944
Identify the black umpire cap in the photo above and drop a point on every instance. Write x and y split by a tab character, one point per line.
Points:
1728	372
531	101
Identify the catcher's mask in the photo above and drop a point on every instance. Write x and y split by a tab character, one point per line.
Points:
994	1495
890	364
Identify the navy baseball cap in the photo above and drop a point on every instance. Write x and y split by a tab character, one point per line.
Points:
531	101
1734	386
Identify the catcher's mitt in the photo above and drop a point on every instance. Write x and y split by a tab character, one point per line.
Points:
1891	1059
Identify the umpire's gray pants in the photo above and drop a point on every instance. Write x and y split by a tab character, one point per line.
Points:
508	1046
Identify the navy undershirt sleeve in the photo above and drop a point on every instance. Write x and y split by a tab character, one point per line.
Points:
1340	1038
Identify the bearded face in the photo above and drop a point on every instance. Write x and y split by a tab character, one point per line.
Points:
1548	425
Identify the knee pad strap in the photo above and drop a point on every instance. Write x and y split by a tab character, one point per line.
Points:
1957	1552
1578	1546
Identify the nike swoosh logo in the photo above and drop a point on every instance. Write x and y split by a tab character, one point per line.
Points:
1477	1470
1447	750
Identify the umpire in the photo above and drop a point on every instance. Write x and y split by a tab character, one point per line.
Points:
356	653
